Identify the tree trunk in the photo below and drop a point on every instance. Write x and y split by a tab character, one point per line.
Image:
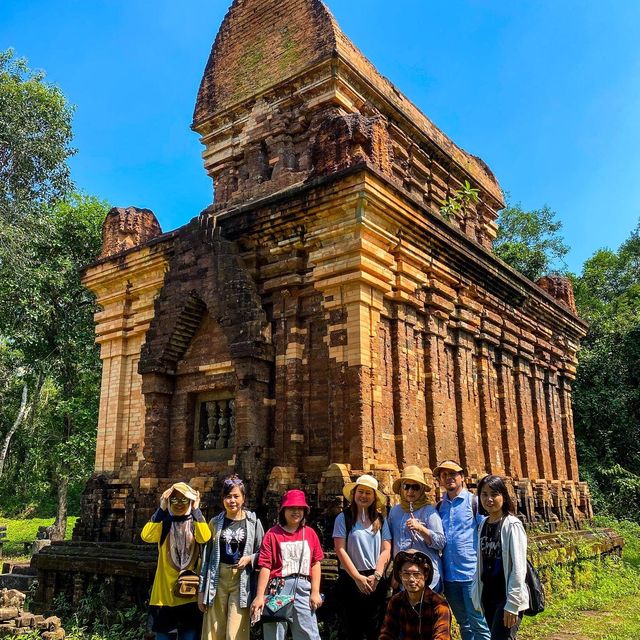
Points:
22	414
59	527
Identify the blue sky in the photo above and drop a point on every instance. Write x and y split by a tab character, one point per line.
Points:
547	92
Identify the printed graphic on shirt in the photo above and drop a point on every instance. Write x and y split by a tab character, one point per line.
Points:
291	558
233	538
491	549
230	536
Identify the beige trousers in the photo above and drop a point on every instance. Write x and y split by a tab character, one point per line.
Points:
225	620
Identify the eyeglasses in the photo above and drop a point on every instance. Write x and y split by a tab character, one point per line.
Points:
409	487
176	500
411	575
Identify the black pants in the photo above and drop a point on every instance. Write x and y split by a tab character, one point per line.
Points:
494	614
181	618
361	615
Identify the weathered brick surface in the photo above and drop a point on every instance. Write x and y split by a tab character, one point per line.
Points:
560	288
285	97
127	227
259	44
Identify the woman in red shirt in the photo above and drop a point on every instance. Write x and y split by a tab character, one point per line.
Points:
289	562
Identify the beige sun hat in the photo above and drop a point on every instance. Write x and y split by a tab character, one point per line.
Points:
411	473
185	490
366	481
447	465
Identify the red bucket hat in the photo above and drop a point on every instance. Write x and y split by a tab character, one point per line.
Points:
294	498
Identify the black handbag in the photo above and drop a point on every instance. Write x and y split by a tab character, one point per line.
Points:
279	608
536	591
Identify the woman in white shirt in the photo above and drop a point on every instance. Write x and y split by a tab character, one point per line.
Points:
362	542
499	589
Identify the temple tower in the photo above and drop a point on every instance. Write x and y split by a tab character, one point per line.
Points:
321	318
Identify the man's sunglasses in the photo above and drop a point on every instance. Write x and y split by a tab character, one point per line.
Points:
175	500
408	487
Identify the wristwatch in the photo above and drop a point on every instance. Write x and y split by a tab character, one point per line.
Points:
377	575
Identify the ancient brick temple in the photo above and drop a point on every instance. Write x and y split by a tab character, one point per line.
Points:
322	318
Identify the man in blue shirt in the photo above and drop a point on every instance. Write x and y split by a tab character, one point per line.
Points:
459	513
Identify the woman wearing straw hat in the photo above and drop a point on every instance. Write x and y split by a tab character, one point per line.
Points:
416	524
179	528
362	541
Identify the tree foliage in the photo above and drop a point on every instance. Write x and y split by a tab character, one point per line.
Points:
607	387
48	235
46	315
530	241
35	134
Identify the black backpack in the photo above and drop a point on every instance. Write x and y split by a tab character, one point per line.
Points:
536	591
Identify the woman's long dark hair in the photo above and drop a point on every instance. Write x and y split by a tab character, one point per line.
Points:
497	484
375	516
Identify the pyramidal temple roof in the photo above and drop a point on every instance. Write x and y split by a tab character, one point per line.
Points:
264	43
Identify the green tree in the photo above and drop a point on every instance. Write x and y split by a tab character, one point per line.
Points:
607	387
48	358
47	315
14	396
35	134
530	241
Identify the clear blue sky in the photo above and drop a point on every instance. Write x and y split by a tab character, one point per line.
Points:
547	92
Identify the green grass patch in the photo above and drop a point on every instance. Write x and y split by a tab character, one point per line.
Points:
593	599
20	531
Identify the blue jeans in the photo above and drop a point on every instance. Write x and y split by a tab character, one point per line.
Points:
472	624
304	625
191	634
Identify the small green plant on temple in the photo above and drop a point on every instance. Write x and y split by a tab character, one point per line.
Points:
455	206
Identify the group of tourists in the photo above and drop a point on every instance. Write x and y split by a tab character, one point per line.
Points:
462	555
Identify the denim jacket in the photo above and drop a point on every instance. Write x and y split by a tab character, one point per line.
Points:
210	574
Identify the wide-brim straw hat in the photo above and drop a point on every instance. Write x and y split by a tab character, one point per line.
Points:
411	473
447	465
185	490
371	483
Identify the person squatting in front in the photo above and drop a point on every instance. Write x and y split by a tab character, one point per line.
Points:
416	524
289	562
417	612
179	528
227	566
459	513
499	586
362	542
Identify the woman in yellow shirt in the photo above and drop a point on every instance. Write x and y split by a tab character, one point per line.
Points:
179	528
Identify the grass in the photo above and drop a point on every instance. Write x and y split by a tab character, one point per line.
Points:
605	605
26	530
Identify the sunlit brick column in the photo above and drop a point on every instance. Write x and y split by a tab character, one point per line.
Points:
125	290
